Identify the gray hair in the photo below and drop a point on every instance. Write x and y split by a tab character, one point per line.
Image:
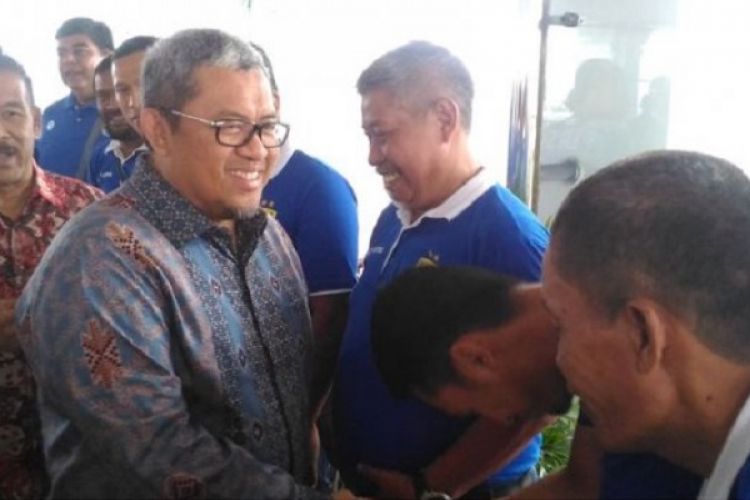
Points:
169	66
417	73
670	225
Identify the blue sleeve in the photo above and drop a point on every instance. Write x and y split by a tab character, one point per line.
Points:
327	235
102	309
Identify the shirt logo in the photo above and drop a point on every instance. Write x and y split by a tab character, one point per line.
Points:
50	125
268	207
430	260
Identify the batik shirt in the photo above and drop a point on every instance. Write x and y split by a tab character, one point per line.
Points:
168	363
53	200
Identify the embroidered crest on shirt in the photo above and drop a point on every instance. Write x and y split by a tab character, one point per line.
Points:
102	355
181	485
124	238
268	208
430	260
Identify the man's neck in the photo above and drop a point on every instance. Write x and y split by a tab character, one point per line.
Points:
706	414
83	97
13	197
127	147
455	177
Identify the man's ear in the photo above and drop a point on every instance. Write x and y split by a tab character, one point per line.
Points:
647	326
473	360
447	113
155	129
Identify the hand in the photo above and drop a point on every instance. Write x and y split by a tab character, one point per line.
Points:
8	339
344	495
391	484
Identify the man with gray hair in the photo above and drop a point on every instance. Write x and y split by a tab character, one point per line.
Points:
648	276
168	328
446	210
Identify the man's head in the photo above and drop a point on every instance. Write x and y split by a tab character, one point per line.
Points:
81	44
416	111
19	125
127	65
209	117
104	90
468	341
649	272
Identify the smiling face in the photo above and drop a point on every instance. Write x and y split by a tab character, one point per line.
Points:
77	58
404	148
221	181
114	122
19	127
609	361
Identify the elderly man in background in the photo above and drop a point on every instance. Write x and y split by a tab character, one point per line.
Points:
648	277
178	363
34	205
446	210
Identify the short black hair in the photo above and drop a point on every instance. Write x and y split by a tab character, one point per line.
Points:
267	64
104	66
133	45
98	32
421	314
670	225
7	63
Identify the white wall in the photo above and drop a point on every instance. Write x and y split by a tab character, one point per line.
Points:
318	47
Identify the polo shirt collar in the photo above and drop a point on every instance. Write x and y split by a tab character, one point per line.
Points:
286	153
114	147
171	213
70	102
456	203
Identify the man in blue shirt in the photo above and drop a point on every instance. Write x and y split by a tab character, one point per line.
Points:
71	128
471	341
648	279
446	210
317	207
113	163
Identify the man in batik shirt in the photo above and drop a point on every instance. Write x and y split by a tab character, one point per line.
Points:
34	204
168	328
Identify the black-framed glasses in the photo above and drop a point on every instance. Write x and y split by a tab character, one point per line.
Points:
235	133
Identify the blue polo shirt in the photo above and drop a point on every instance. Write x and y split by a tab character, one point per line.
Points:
65	128
482	224
318	209
741	487
626	476
109	167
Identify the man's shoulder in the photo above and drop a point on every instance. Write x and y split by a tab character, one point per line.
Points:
71	193
313	168
57	106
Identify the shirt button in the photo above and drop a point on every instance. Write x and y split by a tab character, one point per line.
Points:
78	119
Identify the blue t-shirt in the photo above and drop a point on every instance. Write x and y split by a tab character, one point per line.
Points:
317	208
106	170
741	487
495	231
65	128
643	475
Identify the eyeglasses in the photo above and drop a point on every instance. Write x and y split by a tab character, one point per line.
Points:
236	133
